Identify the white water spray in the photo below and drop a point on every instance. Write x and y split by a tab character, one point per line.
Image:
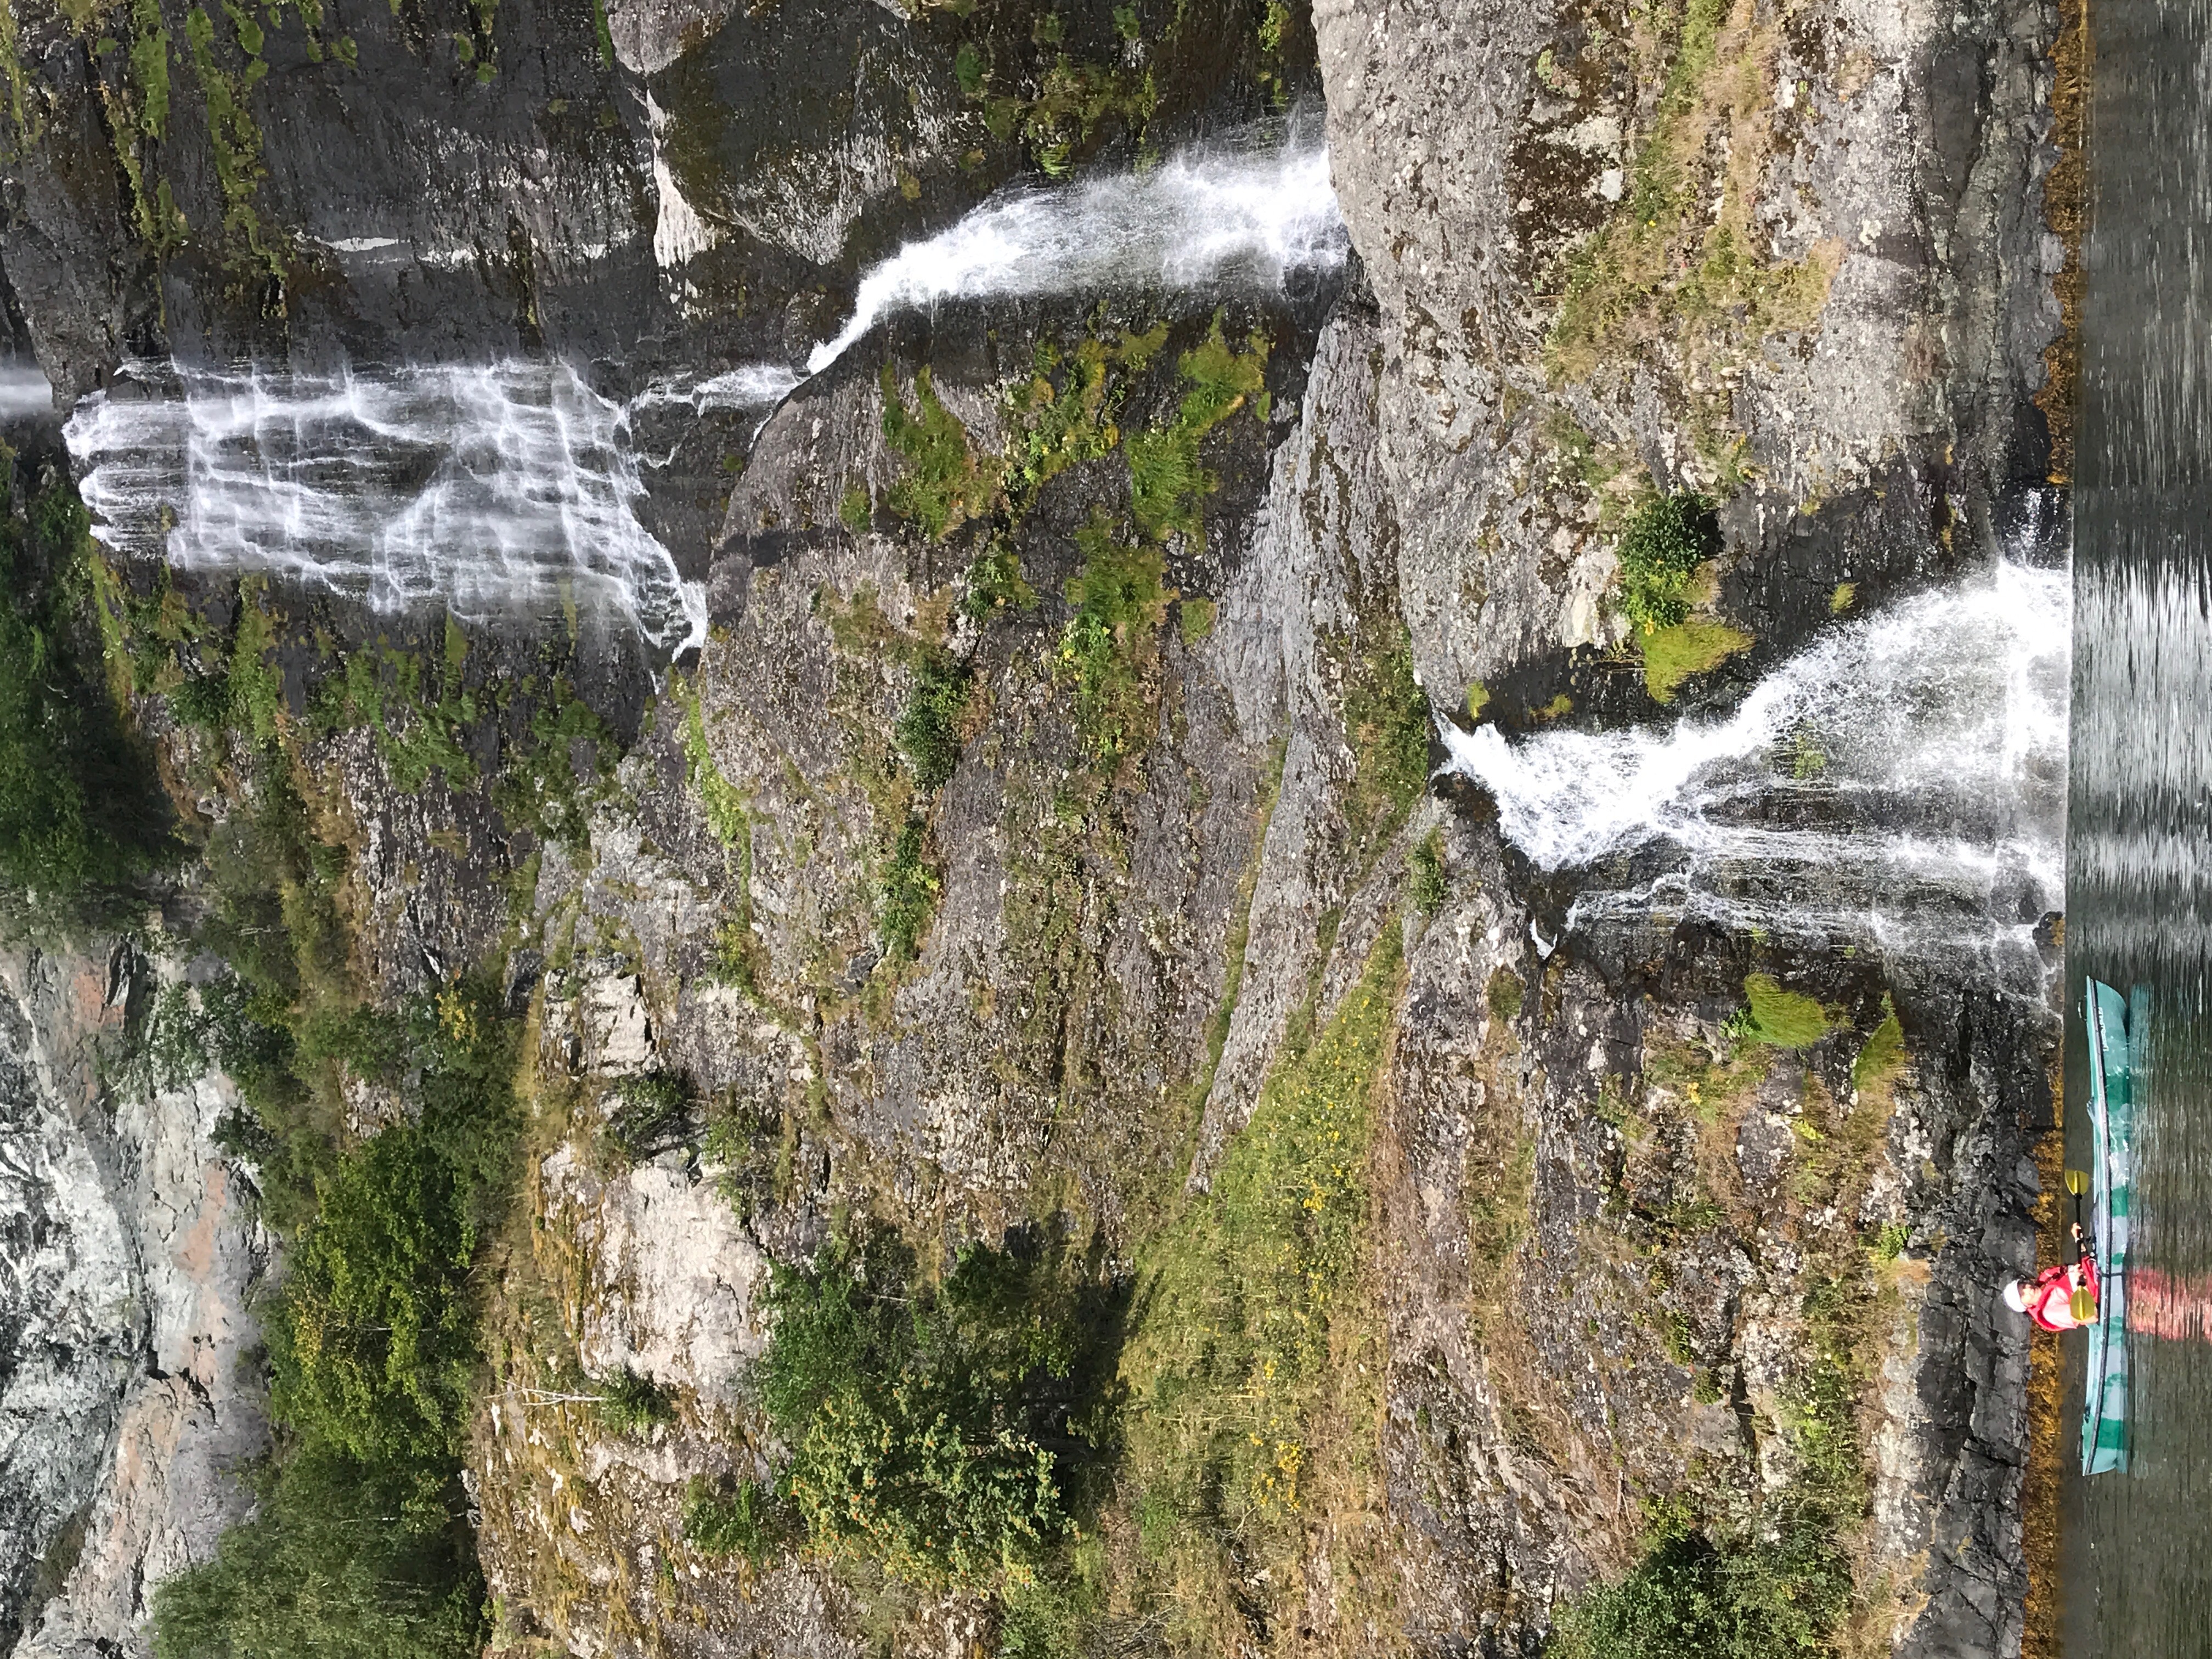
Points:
487	488
1241	213
1905	772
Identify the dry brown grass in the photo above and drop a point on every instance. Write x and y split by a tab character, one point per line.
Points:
2066	211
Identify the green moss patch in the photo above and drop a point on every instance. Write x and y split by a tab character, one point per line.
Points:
1672	655
1780	1018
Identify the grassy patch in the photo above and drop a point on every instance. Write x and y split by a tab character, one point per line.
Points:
1194	620
235	139
928	729
723	802
1426	887
1110	649
1881	1062
1666	267
1672	655
909	892
942	486
1166	480
1386	718
1780	1018
1244	1298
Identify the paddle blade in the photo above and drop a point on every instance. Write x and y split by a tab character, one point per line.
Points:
2077	1182
2083	1306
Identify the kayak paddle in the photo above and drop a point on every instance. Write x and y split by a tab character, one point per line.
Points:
2082	1304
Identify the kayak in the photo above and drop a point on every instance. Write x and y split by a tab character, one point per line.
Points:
2112	1130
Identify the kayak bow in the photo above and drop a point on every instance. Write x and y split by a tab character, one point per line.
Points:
2112	1123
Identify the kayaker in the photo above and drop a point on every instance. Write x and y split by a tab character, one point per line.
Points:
2048	1298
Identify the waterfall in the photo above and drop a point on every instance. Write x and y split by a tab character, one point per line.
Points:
1249	211
1901	780
490	489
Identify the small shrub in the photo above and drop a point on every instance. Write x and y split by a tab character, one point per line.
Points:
202	701
1883	1059
630	1404
942	487
1167	481
1706	1391
939	1432
1660	548
994	583
1425	885
854	509
1386	716
748	1519
651	1114
1195	618
1109	647
928	730
909	893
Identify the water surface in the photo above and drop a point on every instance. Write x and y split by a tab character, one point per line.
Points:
2138	1571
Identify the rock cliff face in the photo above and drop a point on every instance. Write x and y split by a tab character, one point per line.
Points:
1792	255
136	1247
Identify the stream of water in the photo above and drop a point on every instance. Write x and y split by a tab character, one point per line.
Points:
2136	1545
514	487
1899	783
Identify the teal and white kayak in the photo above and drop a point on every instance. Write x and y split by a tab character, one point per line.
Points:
2111	1134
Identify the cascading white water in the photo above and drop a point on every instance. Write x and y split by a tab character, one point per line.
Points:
486	488
1250	211
1904	776
513	486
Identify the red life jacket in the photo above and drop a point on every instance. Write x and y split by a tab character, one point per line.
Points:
2050	1298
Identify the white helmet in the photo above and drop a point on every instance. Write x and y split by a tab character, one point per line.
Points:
2015	1296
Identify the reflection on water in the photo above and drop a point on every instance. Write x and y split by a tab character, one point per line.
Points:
2138	1568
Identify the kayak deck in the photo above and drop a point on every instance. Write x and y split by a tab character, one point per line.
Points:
2112	1123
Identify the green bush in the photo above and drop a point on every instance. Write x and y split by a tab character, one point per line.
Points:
1780	1018
943	1431
1664	542
942	486
630	1404
1110	645
749	1520
79	811
651	1114
1386	716
928	730
340	1561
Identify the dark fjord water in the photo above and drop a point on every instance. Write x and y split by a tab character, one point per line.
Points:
2138	1544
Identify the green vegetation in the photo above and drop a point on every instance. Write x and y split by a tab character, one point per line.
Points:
1386	718
745	1519
1110	645
1251	1298
995	583
945	1432
928	730
416	732
235	139
1672	655
362	1546
1666	268
1780	1018
910	887
942	486
856	509
333	1564
652	1112
1426	888
1504	993
1880	1064
634	1404
1195	619
1478	699
723	802
1667	538
79	814
1840	600
1167	482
